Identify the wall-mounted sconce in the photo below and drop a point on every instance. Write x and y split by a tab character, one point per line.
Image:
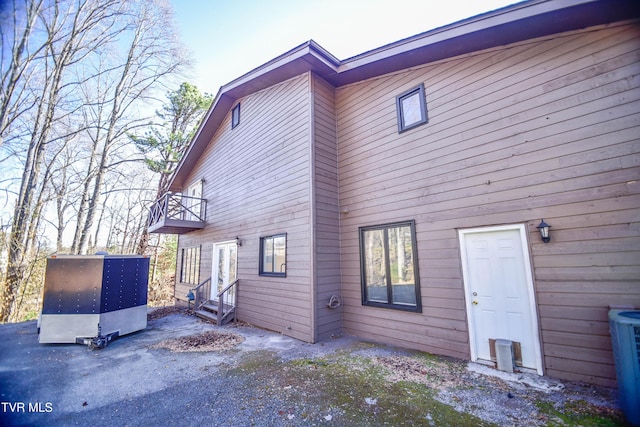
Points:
544	231
238	241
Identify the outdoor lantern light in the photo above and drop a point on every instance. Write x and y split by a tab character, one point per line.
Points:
544	231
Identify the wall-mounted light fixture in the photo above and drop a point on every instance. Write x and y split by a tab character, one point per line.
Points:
238	241
544	231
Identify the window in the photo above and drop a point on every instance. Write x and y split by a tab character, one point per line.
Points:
235	116
190	265
411	107
389	269
273	255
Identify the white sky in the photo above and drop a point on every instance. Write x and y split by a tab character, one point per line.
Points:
228	38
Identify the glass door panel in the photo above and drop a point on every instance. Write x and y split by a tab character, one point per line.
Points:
225	269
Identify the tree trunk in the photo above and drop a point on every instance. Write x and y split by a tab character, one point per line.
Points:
20	223
65	39
84	201
13	93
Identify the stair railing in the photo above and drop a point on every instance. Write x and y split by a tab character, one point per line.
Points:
202	293
227	301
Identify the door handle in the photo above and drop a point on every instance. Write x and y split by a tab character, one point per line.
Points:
475	302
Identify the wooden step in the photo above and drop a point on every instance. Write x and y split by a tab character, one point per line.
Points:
209	311
207	315
210	307
213	307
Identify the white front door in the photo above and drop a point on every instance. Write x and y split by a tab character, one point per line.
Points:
225	261
499	291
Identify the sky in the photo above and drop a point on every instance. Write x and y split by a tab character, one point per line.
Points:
228	38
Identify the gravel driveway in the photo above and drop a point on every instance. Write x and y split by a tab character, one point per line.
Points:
243	376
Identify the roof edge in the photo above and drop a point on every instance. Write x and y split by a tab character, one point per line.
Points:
519	21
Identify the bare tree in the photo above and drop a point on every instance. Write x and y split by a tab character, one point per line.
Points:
63	182
17	64
153	54
70	32
57	49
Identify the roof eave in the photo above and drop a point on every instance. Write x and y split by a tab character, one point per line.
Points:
512	24
304	58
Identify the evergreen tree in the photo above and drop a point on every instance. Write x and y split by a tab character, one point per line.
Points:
165	144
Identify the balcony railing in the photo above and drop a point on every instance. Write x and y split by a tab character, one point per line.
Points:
175	213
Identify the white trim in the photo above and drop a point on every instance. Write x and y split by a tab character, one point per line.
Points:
214	265
530	289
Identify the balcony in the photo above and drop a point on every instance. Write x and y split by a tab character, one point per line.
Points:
177	214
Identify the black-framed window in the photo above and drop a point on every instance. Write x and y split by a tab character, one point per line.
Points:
411	107
389	266
235	116
190	265
273	255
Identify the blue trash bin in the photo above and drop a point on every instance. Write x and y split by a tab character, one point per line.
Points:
624	326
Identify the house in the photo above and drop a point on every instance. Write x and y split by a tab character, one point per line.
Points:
397	195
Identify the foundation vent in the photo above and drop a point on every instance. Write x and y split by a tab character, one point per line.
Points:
504	355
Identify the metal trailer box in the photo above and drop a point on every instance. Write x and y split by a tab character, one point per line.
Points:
90	299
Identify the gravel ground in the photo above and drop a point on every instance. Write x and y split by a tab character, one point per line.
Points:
183	371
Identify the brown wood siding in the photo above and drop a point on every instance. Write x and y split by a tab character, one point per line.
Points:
544	129
257	184
326	229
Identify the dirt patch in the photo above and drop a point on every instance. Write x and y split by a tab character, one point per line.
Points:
354	390
160	312
421	389
207	341
433	373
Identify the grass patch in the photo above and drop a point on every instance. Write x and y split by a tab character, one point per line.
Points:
351	391
351	388
580	413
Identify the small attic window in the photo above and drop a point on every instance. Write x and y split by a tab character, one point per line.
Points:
411	107
235	116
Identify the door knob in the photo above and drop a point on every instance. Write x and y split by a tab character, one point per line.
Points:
475	302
